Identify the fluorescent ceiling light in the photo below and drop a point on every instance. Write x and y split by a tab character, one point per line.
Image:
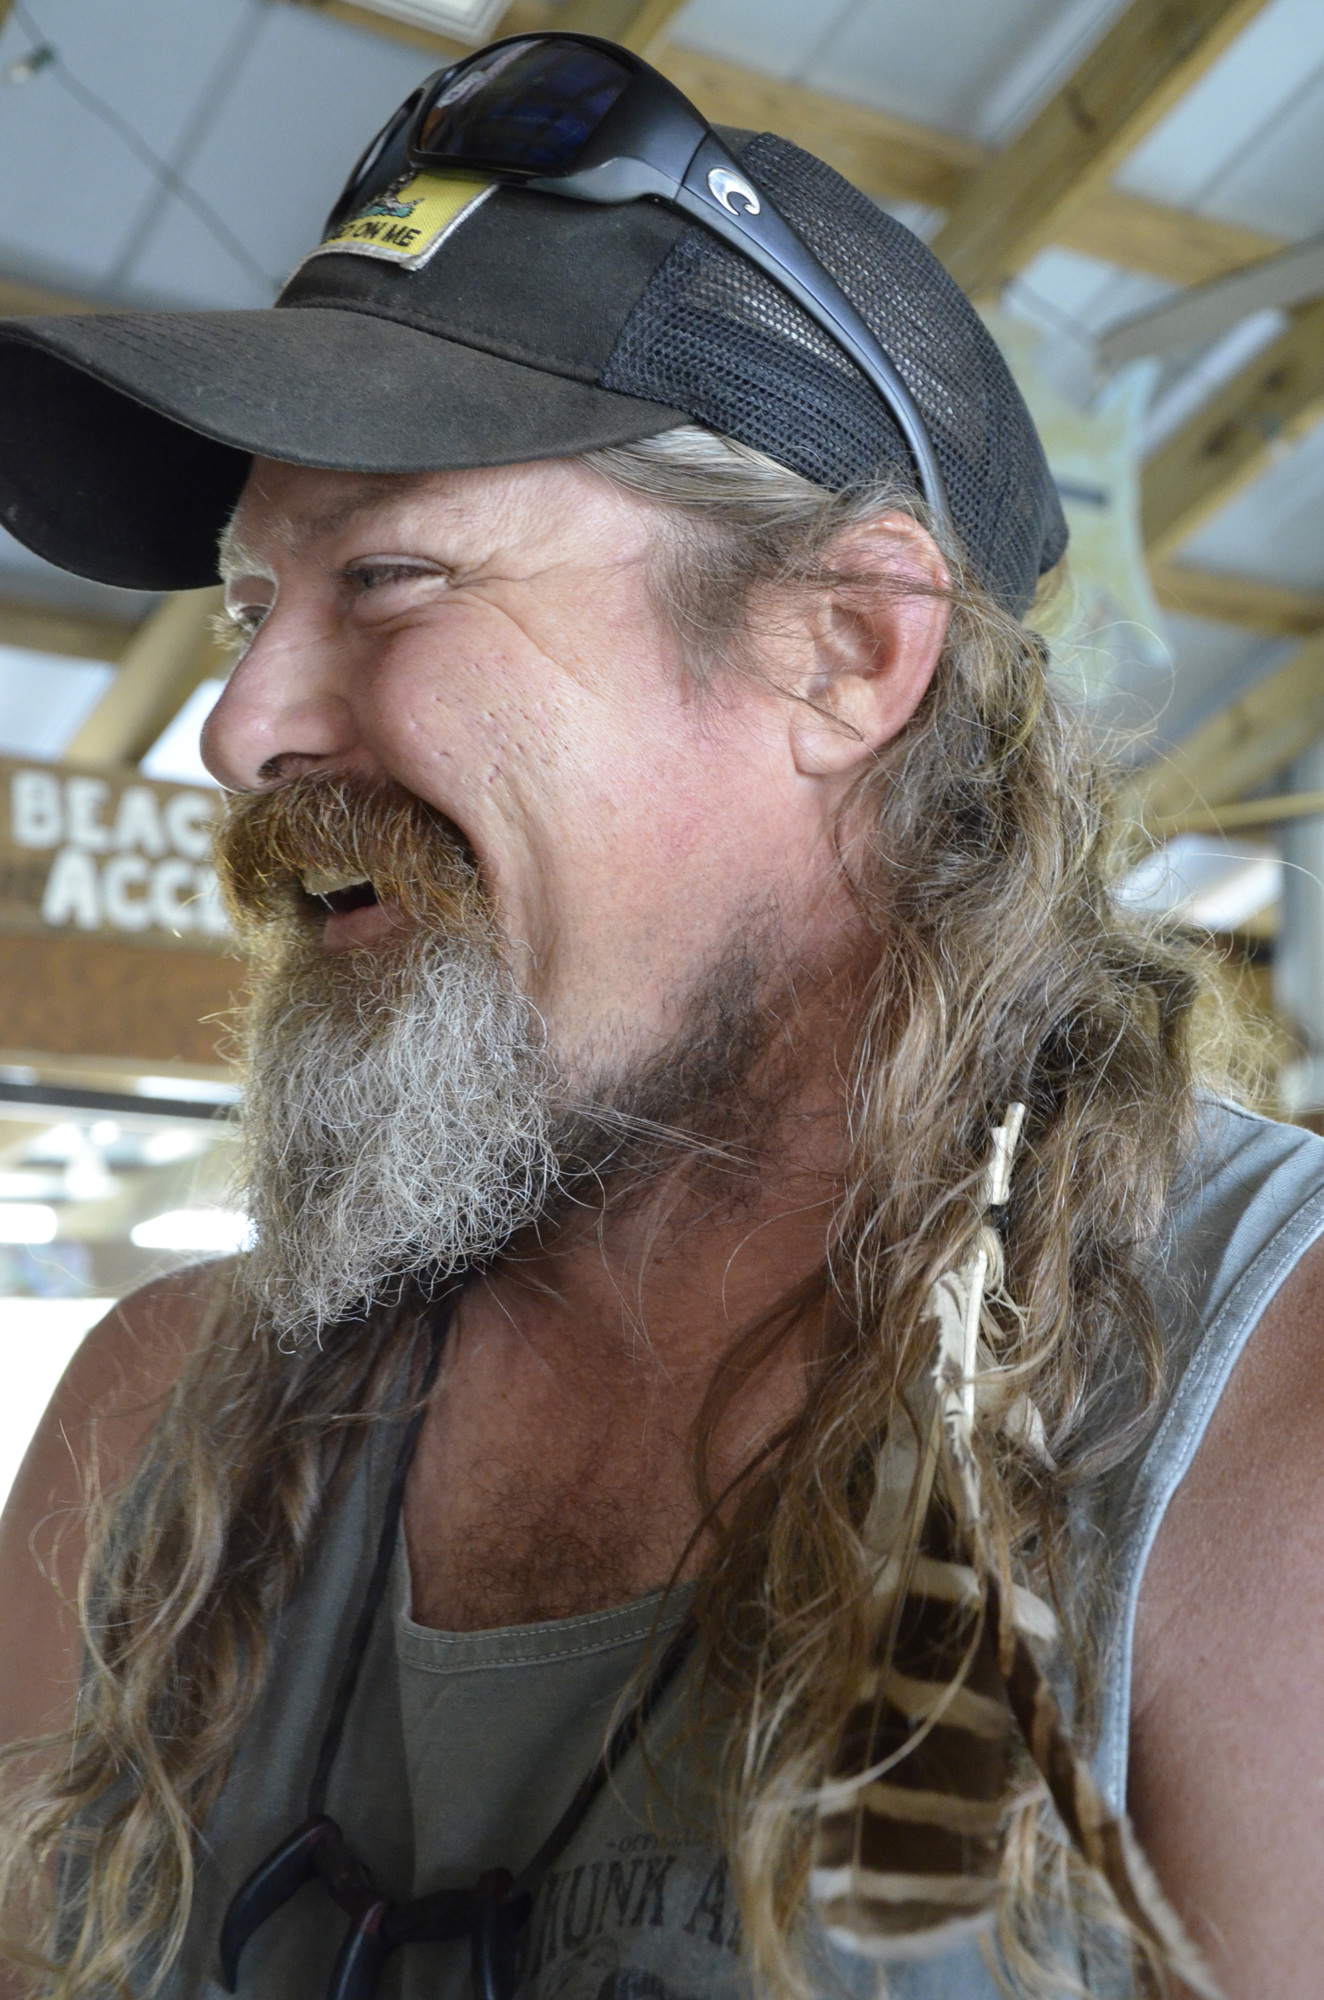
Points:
188	1089
467	20
162	1148
217	1230
27	1186
1206	879
87	1180
26	1222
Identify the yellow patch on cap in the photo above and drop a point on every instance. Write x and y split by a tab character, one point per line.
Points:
410	219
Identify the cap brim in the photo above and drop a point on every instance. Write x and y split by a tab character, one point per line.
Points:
125	438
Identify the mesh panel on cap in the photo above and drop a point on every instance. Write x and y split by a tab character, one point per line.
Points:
712	335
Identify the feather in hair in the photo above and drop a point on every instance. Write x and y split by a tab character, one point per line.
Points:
910	1843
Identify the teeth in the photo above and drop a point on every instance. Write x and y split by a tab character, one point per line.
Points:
328	881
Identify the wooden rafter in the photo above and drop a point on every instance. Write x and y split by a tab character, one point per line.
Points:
523	16
887	157
1244	745
1238	600
638	24
893	159
18	298
1277	397
1243	815
168	656
1143	65
38	630
1169	243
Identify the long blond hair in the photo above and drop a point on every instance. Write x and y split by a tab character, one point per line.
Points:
982	850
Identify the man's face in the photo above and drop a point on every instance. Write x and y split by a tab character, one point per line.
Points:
491	642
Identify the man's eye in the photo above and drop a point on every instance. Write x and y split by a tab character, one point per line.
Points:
238	623
376	576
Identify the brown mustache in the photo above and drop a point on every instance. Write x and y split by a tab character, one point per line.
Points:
415	858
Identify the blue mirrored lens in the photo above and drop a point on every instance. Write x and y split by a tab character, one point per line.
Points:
531	105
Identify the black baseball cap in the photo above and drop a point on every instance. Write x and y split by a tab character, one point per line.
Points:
501	325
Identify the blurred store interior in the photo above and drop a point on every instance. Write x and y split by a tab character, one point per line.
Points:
1083	167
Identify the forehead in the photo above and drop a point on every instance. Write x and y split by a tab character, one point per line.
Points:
534	516
286	510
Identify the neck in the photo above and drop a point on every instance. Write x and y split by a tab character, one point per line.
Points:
557	1472
673	1259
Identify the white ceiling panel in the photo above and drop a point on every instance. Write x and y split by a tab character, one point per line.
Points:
958	64
1276	185
1186	382
929	60
72	190
1085	292
1065	35
274	158
778	37
1262	97
1275	528
43	698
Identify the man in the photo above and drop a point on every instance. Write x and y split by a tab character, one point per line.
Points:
567	1554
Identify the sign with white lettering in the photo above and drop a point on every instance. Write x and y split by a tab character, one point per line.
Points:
109	853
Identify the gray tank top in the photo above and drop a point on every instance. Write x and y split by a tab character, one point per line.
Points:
464	1749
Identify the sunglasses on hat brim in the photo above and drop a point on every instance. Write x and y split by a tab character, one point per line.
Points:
574	116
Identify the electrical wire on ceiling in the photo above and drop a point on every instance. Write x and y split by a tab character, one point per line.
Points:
44	58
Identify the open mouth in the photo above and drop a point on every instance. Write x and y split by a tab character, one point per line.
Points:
337	894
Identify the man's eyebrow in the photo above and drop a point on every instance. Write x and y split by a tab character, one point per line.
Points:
294	532
236	558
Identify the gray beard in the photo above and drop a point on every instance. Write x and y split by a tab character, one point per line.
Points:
403	1119
399	1119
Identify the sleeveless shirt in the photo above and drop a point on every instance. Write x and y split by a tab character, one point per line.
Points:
464	1749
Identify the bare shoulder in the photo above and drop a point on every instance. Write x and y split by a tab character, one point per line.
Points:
1227	1753
100	1417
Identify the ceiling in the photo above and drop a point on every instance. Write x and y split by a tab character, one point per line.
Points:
184	153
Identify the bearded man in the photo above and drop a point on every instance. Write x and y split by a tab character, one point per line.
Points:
737	1232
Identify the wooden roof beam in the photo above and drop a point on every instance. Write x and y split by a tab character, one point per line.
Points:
637	24
18	298
893	160
37	630
1168	243
1022	199
1240	818
1273	608
1268	404
890	158
1242	746
169	655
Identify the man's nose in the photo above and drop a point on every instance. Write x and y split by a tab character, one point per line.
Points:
283	711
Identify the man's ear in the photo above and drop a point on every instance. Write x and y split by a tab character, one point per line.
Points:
874	646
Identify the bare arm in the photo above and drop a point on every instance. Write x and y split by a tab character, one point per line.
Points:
110	1396
1227	1746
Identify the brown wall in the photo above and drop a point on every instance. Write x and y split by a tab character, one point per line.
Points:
65	995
